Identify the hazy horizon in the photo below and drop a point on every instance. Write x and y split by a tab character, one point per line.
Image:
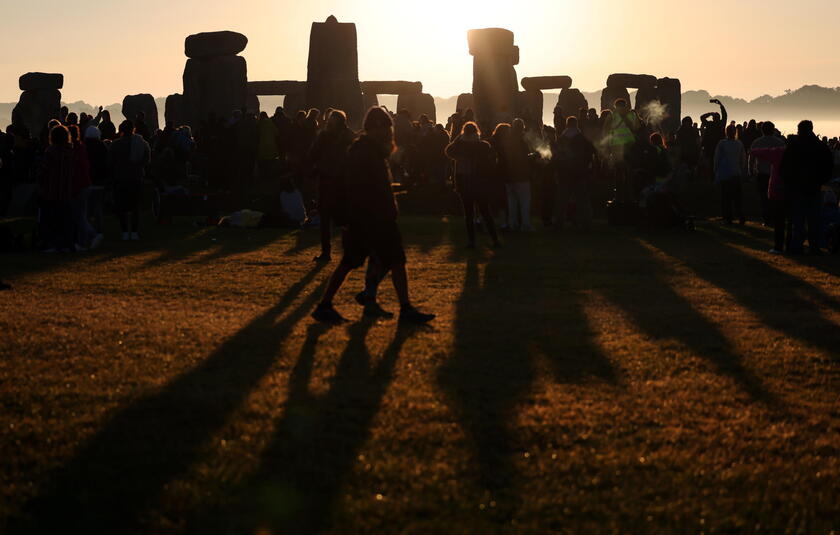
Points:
713	47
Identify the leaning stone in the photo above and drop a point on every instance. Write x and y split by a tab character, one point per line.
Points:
144	102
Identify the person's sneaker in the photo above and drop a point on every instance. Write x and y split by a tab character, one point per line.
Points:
325	258
126	236
135	236
327	314
775	251
373	310
96	242
409	314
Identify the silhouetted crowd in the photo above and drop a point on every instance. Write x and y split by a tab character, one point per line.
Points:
505	175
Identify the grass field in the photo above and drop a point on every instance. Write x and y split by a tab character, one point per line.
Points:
622	381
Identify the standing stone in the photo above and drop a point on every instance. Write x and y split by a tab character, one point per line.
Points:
214	85
571	101
610	94
530	107
645	96
333	70
670	95
174	112
215	79
294	102
35	109
417	105
371	100
465	102
133	104
495	86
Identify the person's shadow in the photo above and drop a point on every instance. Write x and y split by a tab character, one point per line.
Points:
296	487
115	477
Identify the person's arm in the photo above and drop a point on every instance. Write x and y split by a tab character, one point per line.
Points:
96	120
723	115
705	117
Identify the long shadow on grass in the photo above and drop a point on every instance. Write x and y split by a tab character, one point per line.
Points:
499	329
646	295
782	301
298	483
116	476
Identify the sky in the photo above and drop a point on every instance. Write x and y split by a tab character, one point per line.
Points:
109	48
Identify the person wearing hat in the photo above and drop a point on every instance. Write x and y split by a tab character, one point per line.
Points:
371	221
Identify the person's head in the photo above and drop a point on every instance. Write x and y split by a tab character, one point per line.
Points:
62	112
656	140
379	126
84	117
72	118
91	132
106	116
687	122
768	128
571	122
731	131
74	133
263	115
126	128
313	114
501	130
52	124
805	128
620	105
606	114
300	117
518	127
337	120
278	111
470	129
593	113
60	136
752	124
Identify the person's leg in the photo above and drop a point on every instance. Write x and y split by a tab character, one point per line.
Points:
561	204
725	201
777	214
336	280
511	203
468	204
797	215
525	204
736	199
814	222
326	234
761	183
583	203
487	216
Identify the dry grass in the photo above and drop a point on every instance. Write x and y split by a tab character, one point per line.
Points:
623	381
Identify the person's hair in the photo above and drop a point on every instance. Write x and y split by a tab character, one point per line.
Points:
339	116
501	129
377	117
731	131
126	128
571	122
74	133
72	118
470	128
59	135
768	128
656	140
518	125
620	103
106	115
52	124
805	127
687	121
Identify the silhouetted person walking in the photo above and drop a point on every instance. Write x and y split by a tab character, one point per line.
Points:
372	229
329	155
475	162
55	186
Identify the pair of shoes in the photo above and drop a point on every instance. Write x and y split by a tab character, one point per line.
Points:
409	314
135	236
373	310
96	242
327	314
126	236
775	251
323	258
